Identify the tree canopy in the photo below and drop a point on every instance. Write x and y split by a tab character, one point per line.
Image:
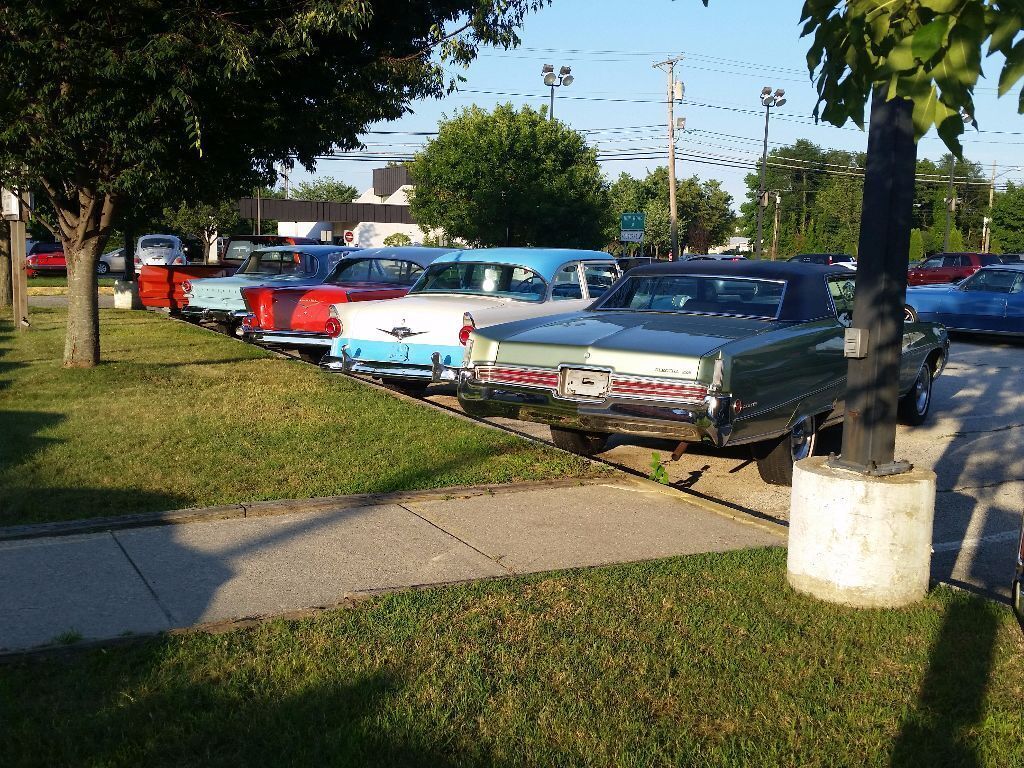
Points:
704	210
107	101
326	189
510	177
1008	219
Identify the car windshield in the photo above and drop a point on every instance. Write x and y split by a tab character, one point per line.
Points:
993	281
698	294
279	263
387	271
157	242
477	279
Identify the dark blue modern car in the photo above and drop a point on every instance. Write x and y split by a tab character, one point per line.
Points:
989	301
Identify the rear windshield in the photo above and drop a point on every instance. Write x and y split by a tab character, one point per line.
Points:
987	258
698	294
157	242
47	248
279	263
386	271
503	280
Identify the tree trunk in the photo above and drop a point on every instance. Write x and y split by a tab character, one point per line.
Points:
6	285
82	342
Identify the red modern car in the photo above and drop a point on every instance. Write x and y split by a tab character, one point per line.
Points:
949	267
45	258
299	317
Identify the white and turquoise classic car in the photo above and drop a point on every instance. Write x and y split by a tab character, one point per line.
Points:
745	353
420	338
219	299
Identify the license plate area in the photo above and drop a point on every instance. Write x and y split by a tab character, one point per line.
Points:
584	384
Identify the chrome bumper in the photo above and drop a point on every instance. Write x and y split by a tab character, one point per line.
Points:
293	338
710	421
206	315
437	372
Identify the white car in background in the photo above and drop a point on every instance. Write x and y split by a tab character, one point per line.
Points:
111	261
159	250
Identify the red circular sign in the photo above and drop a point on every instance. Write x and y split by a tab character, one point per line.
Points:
350	236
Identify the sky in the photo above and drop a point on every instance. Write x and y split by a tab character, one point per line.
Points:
730	51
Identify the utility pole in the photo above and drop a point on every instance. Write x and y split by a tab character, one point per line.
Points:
675	90
950	202
775	228
286	168
986	237
16	207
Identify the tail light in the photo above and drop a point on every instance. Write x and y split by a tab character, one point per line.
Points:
333	327
468	326
186	286
250	323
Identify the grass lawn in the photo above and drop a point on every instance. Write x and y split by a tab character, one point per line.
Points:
708	660
61	281
177	416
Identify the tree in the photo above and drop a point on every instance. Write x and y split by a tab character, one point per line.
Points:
203	220
325	189
397	239
105	102
1008	219
919	60
510	177
916	245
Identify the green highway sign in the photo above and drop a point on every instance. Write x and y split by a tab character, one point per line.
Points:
630	221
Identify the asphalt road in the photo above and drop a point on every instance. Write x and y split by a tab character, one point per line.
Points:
973	439
106	301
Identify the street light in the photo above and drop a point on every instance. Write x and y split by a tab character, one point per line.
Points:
564	77
768	100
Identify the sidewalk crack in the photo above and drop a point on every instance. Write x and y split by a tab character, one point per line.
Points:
496	560
171	623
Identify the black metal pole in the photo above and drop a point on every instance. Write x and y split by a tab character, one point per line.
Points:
869	432
551	111
761	189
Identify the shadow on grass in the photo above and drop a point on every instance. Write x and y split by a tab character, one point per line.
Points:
952	696
20	506
21	440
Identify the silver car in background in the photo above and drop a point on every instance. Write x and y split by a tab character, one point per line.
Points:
159	250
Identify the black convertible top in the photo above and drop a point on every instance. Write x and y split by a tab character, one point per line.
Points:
806	297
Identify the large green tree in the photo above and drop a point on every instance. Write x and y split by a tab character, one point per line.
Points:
325	189
510	177
203	221
1008	219
103	101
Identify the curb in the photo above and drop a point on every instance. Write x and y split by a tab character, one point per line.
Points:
273	508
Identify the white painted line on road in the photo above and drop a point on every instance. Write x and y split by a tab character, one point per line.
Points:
951	546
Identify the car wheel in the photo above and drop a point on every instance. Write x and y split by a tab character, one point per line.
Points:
913	407
775	464
410	387
909	314
102	268
583	443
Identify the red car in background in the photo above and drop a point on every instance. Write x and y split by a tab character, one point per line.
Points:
299	317
949	267
45	258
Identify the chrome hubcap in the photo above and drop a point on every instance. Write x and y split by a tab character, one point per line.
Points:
922	392
801	439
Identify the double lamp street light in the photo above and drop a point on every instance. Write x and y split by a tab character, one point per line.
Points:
564	77
768	100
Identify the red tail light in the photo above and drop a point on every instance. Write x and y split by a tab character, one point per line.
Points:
187	286
333	327
468	326
250	323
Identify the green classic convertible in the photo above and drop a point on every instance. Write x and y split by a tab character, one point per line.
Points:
744	353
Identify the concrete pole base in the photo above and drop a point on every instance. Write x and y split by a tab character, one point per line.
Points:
859	540
126	295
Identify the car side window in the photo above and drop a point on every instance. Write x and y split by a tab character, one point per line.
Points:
951	261
932	264
599	278
993	281
842	290
1018	287
566	284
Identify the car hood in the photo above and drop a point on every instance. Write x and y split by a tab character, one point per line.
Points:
638	343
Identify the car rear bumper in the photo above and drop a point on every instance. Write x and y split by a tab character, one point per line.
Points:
290	338
436	372
709	421
207	315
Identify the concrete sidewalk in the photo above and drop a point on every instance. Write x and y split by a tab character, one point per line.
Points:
101	586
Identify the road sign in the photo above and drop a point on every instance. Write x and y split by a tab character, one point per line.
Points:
350	236
631	236
632	221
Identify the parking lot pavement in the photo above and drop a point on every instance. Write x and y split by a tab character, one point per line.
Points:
141	580
973	439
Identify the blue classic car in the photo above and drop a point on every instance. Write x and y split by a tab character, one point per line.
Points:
219	299
420	338
989	301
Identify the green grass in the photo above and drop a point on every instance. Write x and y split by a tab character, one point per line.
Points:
61	281
708	660
177	416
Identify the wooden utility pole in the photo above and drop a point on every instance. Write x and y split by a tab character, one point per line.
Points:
775	228
675	90
16	208
986	237
950	202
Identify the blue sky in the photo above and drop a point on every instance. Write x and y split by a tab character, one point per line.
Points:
730	51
